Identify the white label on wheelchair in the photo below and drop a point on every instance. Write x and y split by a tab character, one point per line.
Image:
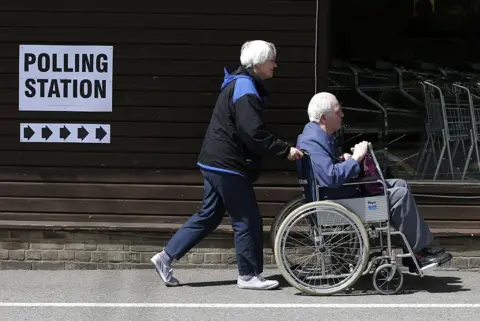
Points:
368	209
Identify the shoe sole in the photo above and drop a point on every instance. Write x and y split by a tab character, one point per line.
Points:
245	287
158	269
430	266
448	258
434	264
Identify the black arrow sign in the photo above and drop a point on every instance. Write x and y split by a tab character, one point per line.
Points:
46	132
64	132
28	132
100	133
82	133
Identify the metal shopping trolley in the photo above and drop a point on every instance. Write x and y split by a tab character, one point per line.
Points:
452	133
383	103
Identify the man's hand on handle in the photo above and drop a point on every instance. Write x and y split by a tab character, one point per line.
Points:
294	154
359	151
345	156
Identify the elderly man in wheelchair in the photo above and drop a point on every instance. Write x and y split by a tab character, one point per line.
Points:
349	221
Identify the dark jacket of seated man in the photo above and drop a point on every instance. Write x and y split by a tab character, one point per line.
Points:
331	173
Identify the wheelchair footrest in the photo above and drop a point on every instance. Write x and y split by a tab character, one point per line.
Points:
428	267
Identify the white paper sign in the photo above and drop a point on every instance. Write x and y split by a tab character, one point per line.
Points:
64	133
65	78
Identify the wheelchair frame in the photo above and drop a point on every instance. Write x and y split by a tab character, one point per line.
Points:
373	222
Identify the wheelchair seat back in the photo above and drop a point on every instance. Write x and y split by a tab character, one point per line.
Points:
306	178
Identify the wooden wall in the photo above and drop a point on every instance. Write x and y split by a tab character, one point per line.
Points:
168	67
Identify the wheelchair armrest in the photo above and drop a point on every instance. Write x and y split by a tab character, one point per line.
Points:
369	180
365	180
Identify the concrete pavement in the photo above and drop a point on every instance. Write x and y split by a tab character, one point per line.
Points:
212	295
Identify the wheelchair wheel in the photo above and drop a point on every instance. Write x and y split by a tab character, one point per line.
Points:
386	283
284	211
321	248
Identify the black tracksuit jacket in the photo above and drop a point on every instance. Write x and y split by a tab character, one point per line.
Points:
236	138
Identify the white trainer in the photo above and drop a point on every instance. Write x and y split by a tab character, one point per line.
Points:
165	272
257	282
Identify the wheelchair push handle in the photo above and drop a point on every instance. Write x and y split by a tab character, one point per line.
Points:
370	148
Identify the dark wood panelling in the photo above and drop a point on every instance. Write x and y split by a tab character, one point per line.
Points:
133	144
81	35
115	160
165	21
262	8
149	114
19	208
129	191
101	219
111	206
163	82
174	52
112	225
178	98
169	61
168	68
128	176
158	129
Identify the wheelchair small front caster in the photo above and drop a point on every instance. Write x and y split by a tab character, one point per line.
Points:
386	280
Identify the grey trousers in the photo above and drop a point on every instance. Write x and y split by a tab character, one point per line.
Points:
404	215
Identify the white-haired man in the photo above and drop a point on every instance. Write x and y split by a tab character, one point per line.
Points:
333	170
230	157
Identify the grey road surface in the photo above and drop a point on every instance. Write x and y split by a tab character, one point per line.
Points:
212	295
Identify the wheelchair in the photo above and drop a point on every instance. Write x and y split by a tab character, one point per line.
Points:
322	247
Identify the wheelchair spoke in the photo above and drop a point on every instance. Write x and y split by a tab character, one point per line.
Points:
322	249
348	264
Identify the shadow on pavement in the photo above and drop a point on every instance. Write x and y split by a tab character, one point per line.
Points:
364	286
211	283
411	284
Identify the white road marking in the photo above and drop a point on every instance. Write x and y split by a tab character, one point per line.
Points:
232	305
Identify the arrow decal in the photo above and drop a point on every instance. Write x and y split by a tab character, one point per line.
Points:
46	132
100	133
64	132
82	133
28	132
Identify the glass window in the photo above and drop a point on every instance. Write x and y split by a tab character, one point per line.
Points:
412	86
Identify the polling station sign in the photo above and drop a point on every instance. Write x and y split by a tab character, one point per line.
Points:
65	78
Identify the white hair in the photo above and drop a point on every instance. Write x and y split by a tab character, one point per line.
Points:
319	105
256	52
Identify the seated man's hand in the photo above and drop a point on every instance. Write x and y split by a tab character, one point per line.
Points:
294	154
359	151
345	156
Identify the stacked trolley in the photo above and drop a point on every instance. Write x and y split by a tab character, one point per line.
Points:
381	100
452	103
399	104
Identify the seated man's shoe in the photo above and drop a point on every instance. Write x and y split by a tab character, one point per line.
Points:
440	259
433	250
428	251
424	260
